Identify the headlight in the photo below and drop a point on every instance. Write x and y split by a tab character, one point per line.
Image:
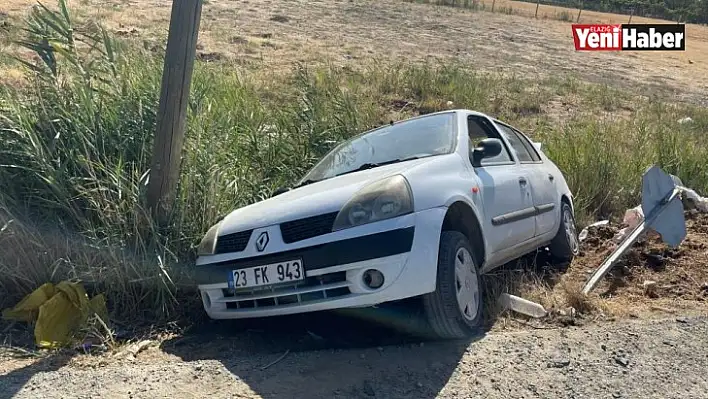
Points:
208	244
381	200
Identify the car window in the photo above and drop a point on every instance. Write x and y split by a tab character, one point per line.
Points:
478	129
415	138
529	146
522	153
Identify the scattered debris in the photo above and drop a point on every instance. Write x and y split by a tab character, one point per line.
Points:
687	119
521	305
664	209
568	312
584	233
632	218
693	200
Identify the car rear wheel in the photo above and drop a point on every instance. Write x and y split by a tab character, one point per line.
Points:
565	245
454	309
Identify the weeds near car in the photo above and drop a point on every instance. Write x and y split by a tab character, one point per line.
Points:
77	138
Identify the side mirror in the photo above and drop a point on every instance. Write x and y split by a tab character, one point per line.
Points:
486	148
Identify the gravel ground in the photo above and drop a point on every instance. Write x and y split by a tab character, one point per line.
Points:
635	358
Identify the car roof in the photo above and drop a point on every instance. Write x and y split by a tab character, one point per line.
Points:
456	110
447	111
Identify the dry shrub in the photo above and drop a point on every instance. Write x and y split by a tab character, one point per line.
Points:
574	297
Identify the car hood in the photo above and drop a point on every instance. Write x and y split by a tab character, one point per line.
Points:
313	199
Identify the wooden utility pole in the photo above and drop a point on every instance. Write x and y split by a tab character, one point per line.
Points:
174	96
579	11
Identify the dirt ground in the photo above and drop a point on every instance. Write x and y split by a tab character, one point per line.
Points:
275	34
631	359
651	274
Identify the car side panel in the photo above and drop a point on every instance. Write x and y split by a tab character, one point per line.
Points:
560	188
443	182
546	199
508	206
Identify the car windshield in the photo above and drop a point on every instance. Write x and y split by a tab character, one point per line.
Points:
415	138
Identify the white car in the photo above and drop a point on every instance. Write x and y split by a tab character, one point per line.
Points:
418	208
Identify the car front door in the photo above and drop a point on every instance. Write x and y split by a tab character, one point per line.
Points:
542	182
505	194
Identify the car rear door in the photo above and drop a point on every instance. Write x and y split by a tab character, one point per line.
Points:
505	192
543	188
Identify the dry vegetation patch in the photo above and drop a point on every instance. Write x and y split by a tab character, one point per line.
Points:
355	34
650	279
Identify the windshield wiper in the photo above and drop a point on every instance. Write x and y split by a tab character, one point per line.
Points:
370	165
306	182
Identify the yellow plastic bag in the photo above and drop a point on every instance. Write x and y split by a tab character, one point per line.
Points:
59	311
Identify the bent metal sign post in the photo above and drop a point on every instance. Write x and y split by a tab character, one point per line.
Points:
630	37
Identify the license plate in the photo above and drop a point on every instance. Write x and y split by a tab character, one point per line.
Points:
276	273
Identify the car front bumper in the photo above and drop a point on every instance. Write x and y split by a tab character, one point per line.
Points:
404	249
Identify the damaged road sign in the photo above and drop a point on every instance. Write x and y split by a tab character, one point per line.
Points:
663	210
660	195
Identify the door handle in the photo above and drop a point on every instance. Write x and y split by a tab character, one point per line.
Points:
522	181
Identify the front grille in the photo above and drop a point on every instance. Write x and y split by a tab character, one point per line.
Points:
302	229
311	289
235	242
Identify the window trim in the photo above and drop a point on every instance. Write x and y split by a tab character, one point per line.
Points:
524	142
505	147
529	144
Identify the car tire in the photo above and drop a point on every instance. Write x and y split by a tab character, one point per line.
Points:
455	283
565	245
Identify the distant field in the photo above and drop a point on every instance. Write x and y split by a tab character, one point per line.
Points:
274	34
550	11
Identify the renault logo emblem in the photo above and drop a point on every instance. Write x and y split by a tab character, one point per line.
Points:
262	241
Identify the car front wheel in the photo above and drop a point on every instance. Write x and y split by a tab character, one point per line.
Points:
454	309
